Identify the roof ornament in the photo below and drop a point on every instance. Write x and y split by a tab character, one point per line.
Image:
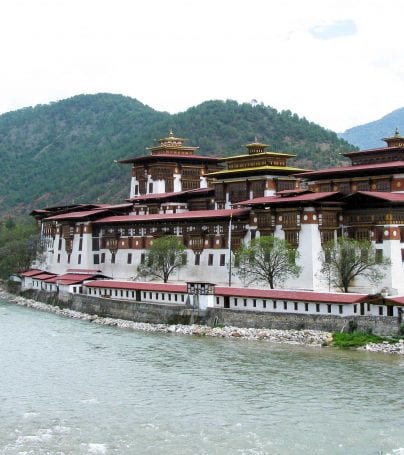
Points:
171	134
397	133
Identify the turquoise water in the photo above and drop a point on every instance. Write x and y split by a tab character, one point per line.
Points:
73	387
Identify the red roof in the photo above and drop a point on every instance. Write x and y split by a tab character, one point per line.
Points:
352	168
44	276
138	286
278	294
32	272
396	300
298	198
76	215
175	216
115	206
146	197
385	196
171	157
71	278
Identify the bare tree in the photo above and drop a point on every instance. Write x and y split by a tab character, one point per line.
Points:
268	260
345	259
165	255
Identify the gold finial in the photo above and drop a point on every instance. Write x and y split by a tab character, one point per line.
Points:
397	133
171	134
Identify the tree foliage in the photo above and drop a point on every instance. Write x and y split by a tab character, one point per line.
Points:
77	140
19	246
165	255
345	259
267	260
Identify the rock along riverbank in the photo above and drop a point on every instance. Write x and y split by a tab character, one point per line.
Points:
313	338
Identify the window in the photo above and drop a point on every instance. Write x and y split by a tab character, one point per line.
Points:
96	258
217	301
182	297
157	296
151	187
306	306
328	308
58	260
144	294
296	306
169	297
341	309
285	305
102	258
68	259
210	259
380	311
245	302
74	289
78	259
150	295
274	304
254	303
60	244
355	308
235	302
113	258
116	292
175	297
129	258
121	293
222	260
317	307
368	306
197	259
264	304
142	258
80	244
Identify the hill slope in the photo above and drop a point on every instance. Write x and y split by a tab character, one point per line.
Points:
65	151
370	135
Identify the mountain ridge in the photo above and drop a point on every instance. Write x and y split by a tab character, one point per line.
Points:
65	151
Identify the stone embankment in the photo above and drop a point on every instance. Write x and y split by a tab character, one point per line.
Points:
297	337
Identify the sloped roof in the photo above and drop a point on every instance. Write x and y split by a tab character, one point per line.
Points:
280	294
173	194
32	272
194	214
352	169
137	286
385	196
76	215
307	197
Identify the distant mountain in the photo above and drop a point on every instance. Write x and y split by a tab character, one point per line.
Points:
64	152
371	134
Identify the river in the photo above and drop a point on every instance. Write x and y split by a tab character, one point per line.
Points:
72	387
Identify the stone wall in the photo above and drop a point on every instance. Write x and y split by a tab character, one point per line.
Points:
178	314
122	309
379	325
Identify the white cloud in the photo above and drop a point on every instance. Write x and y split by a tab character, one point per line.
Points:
172	55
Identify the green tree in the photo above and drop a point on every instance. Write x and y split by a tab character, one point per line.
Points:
165	255
267	260
345	259
19	246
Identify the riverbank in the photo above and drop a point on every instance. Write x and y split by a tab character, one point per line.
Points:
313	338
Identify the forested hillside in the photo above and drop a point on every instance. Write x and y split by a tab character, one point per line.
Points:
370	135
64	152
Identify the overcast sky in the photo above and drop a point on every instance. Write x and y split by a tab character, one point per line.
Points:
339	63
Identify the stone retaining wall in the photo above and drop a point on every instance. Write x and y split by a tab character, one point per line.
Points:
379	325
178	314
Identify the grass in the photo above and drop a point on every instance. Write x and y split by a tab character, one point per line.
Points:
355	339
